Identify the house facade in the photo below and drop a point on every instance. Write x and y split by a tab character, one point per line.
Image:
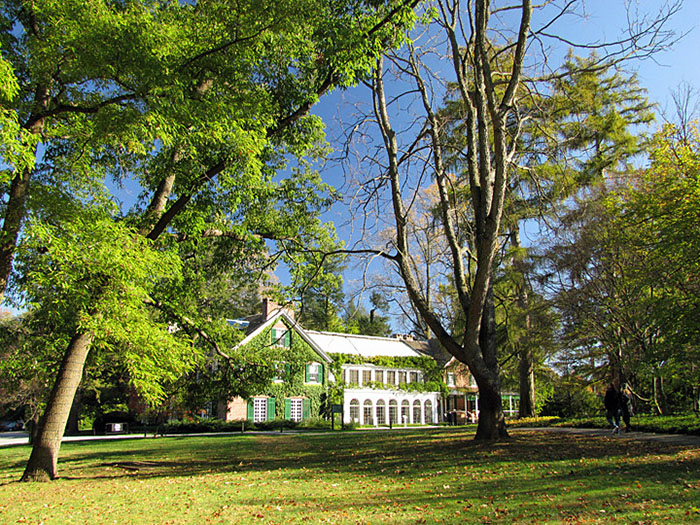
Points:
378	381
382	381
301	386
462	400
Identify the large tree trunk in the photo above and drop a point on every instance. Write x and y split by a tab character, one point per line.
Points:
492	421
526	368
42	464
74	416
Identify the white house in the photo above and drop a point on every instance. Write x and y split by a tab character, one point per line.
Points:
381	385
378	380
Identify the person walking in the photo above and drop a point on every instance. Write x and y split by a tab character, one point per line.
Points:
626	406
612	408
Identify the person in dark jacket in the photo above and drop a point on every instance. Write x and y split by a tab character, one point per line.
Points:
612	408
626	406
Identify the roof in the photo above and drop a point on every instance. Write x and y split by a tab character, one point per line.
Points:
434	349
365	345
255	328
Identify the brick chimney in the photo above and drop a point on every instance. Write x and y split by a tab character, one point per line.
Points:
270	308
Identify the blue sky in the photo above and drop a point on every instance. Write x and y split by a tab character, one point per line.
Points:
603	20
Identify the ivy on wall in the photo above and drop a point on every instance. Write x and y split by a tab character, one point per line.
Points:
294	358
433	379
299	353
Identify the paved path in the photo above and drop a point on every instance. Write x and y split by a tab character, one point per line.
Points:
675	439
20	438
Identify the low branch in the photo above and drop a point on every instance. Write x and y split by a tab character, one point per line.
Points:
68	108
192	325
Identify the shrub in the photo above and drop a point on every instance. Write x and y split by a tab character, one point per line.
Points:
572	397
198	425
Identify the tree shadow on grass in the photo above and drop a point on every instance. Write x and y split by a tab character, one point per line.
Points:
386	455
530	476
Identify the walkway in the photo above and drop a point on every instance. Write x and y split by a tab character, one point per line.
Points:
20	438
671	439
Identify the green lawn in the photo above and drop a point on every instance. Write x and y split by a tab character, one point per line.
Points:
404	476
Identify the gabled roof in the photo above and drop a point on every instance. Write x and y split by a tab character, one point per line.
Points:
256	327
365	345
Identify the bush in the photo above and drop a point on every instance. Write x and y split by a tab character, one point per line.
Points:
315	423
543	421
572	397
199	425
276	424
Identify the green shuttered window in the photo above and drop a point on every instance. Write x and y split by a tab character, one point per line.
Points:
314	373
261	409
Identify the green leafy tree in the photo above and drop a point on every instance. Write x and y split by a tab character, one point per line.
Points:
359	321
223	91
655	219
582	130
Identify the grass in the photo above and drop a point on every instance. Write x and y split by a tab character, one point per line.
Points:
404	476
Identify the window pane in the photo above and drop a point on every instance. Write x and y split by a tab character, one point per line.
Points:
390	377
381	414
402	378
414	377
367	409
296	408
259	409
314	373
379	376
428	412
393	412
366	376
355	410
279	372
405	416
354	377
416	411
280	337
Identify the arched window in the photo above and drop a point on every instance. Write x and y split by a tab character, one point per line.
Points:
416	412
405	411
428	412
355	411
367	413
393	412
381	412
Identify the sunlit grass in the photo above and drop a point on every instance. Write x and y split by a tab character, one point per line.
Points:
404	476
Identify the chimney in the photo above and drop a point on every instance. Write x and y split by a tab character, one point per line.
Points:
269	308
